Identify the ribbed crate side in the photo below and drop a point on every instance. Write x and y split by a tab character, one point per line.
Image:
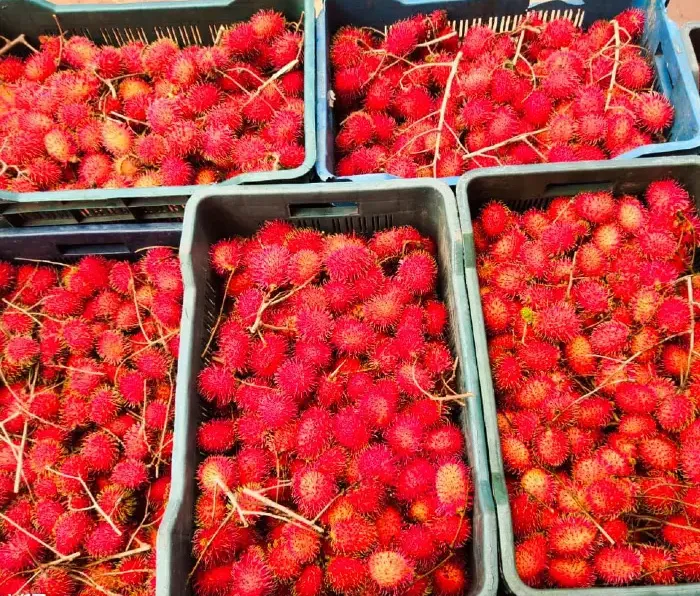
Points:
535	186
331	208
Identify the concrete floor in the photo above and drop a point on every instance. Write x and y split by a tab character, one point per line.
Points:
682	11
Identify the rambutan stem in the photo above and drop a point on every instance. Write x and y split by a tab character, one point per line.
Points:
609	379
219	317
333	500
440	564
29	534
233	499
61	40
458	397
127	119
165	428
20	457
583	510
44	261
95	504
106	82
86	579
224	521
571	276
138	311
11	43
26	312
281	72
515	139
270	503
685	375
143	548
613	75
427	44
664	522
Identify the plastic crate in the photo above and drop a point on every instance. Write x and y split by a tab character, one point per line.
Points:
428	205
65	243
691	39
189	22
523	188
662	38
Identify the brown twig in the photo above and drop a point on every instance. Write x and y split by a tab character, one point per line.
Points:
443	110
613	75
19	40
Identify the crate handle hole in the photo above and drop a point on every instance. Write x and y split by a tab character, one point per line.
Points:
81	250
569	190
309	210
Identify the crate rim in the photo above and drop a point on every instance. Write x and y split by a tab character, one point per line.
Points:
279	176
323	86
463	331
506	540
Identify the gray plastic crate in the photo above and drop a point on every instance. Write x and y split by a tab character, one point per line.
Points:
662	39
429	206
522	188
187	22
691	39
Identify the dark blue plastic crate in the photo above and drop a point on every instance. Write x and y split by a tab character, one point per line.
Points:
662	38
186	22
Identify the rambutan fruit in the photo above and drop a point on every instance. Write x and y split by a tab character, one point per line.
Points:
268	354
675	412
570	573
573	536
100	451
453	487
70	531
345	575
557	322
312	490
214	581
659	453
635	73
618	565
539	483
537	108
673	315
390	570
21	351
353	536
95	169
654	111
130	474
591	296
251	575
295	378
497	311
552	447
687	558
609	497
609	338
531	559
620	126
104	541
689	450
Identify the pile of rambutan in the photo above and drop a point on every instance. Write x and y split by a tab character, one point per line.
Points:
331	459
591	310
418	101
87	359
76	115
